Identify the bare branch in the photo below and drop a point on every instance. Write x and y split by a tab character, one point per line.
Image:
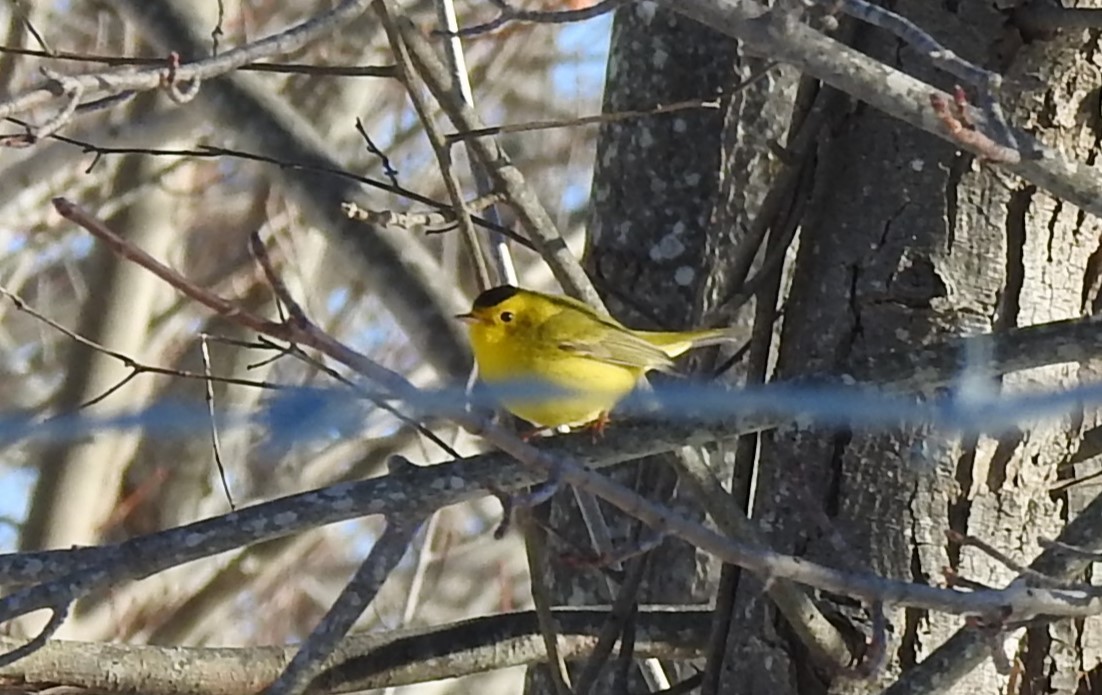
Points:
887	89
504	174
115	81
507	13
921	41
319	647
436	140
280	68
401	656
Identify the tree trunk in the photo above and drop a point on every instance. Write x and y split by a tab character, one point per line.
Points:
672	197
904	241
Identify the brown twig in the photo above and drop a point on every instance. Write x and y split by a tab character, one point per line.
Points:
260	254
300	330
291	332
135	366
300	321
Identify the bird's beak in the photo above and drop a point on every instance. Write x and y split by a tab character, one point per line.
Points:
470	317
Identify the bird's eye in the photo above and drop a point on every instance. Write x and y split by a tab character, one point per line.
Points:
506	316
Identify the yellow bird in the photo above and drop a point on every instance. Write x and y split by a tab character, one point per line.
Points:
526	338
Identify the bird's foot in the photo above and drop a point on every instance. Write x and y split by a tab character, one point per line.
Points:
597	427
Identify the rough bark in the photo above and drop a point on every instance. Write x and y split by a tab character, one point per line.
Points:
905	241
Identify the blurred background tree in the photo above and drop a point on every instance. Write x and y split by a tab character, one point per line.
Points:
196	212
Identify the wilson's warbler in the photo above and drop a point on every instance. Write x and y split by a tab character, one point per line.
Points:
529	338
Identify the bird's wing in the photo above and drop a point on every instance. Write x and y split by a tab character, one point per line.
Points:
609	343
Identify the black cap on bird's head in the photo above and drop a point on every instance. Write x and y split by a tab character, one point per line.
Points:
494	296
487	300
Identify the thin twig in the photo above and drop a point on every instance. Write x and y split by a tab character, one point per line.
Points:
495	249
507	13
436	140
625	604
281	68
797	153
302	323
1030	575
814	630
126	79
535	550
875	658
505	176
127	361
215	440
388	169
57	617
596	119
212	152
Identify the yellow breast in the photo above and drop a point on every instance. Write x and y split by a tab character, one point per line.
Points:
593	387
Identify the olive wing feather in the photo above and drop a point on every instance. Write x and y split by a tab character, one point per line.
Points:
604	340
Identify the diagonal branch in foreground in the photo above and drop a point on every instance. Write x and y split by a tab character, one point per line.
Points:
310	659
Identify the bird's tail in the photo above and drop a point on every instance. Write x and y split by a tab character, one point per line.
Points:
675	343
